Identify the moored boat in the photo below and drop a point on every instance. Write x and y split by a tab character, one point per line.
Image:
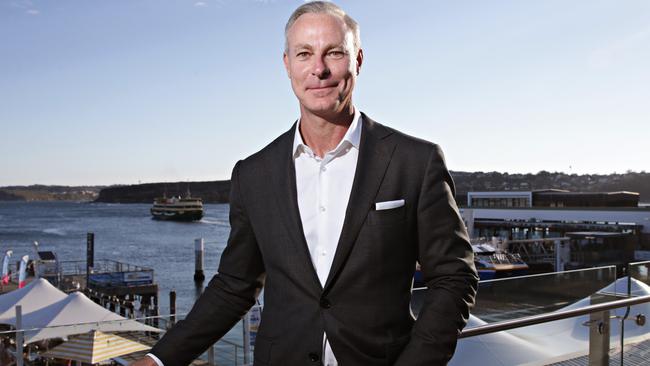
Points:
490	264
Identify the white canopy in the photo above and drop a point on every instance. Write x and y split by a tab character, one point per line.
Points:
95	347
549	342
75	314
36	295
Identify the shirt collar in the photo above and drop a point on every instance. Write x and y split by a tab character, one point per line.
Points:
352	135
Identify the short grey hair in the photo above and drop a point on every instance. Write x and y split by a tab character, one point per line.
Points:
324	7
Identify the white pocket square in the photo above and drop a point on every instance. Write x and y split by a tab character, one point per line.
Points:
387	205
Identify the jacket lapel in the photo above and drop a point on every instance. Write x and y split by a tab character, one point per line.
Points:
374	156
284	186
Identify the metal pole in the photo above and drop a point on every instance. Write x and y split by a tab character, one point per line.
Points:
19	335
199	248
247	338
599	339
549	317
559	266
211	356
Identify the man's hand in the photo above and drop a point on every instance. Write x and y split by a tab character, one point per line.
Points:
144	361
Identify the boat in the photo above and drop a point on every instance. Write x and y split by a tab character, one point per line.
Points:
177	208
490	264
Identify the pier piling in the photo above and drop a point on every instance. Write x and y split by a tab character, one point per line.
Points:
199	248
172	307
90	255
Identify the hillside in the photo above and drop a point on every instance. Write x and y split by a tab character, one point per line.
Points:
218	191
495	181
210	192
49	193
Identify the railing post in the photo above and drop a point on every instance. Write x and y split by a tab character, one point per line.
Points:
599	339
19	335
247	338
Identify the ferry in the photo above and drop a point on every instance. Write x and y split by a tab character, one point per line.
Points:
177	208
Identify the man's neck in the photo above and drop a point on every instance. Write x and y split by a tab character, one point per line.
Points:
323	134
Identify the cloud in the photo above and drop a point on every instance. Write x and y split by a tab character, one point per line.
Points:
200	4
26	5
22	4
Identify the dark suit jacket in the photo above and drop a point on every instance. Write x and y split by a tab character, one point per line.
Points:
364	305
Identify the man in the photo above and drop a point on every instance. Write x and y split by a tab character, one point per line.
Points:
331	218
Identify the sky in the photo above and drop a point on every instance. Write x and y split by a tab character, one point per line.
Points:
126	91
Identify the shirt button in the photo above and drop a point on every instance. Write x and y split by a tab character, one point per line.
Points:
322	169
322	208
313	357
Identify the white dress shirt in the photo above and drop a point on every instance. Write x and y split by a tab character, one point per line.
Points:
323	186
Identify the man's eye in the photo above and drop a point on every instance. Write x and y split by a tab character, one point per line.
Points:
302	54
336	54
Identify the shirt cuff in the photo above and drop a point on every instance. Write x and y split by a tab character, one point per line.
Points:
156	359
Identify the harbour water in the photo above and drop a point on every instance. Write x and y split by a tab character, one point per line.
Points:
123	232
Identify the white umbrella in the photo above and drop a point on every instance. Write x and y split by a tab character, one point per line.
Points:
95	347
75	314
36	295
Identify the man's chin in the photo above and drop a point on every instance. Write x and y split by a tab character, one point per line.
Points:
322	109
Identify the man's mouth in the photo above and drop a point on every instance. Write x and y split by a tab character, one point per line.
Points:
321	87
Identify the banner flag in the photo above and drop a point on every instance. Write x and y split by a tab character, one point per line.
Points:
5	267
22	273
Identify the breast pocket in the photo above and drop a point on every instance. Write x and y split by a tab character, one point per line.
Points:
392	216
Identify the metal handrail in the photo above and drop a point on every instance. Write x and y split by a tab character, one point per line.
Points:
548	317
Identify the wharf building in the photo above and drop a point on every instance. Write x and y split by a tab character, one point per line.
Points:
563	229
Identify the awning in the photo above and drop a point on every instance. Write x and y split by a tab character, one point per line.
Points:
36	295
94	347
75	314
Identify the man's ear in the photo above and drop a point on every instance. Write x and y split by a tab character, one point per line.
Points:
285	59
359	60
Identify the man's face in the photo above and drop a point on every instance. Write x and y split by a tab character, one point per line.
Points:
321	63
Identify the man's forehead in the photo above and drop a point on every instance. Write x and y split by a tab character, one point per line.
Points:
319	27
317	21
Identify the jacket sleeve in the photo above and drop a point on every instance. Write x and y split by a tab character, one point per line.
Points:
447	264
228	296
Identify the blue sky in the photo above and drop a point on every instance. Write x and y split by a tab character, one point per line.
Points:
108	92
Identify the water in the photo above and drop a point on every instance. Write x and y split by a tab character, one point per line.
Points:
123	232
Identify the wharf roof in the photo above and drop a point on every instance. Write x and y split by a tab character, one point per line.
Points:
596	234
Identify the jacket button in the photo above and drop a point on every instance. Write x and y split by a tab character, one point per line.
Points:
325	304
313	357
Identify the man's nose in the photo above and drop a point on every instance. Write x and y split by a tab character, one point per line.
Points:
320	68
